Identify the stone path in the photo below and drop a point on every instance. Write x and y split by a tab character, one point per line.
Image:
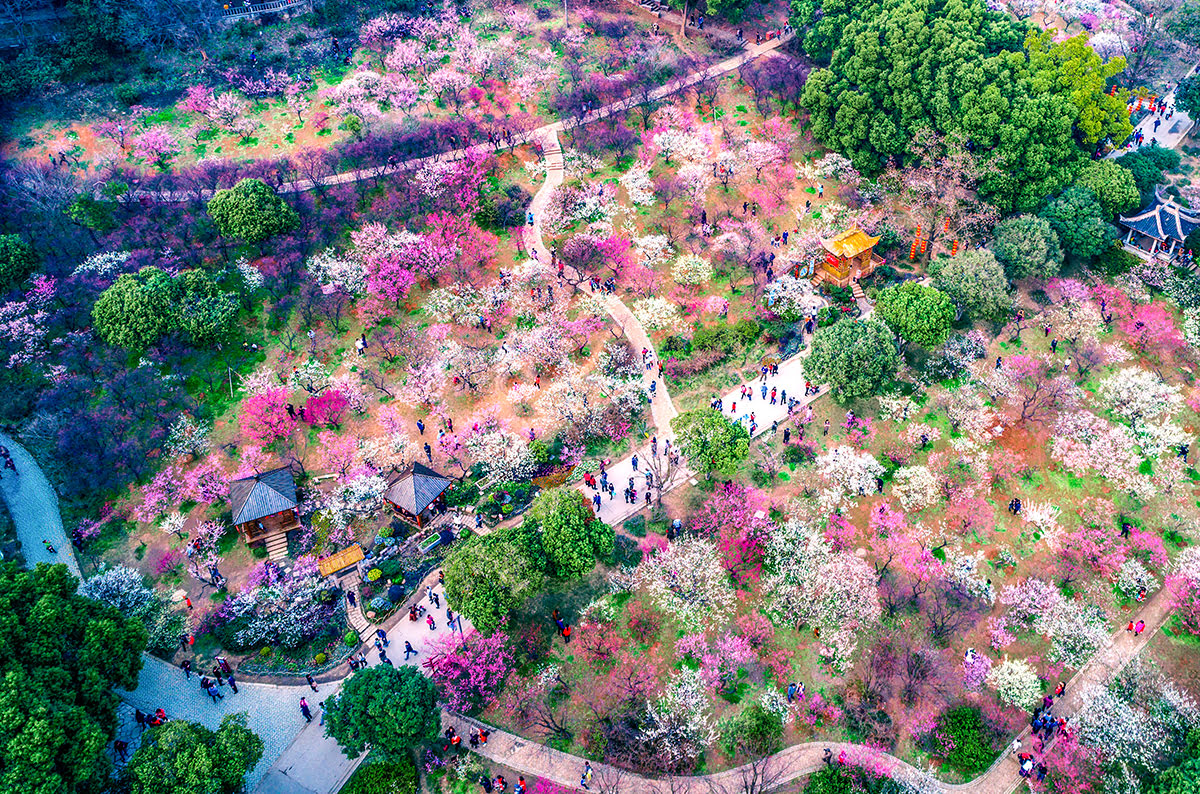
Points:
346	177
34	507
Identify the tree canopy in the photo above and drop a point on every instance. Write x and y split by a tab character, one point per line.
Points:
1187	94
857	359
1080	223
1147	165
251	211
571	536
489	575
17	261
63	654
1113	185
383	707
1026	245
975	282
141	308
1035	107
711	442
181	757
919	314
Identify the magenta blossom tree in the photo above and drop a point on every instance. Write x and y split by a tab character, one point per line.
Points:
327	409
265	418
470	673
730	516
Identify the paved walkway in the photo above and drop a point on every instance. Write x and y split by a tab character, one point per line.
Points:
346	177
34	508
799	760
297	752
1170	134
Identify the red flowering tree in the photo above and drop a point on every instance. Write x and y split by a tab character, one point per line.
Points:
265	418
1152	327
736	516
470	673
327	409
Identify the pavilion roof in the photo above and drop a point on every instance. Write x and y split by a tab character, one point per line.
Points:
262	495
415	489
1163	219
849	243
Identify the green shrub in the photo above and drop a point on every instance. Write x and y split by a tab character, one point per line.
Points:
799	453
320	658
747	330
126	94
394	776
374	574
714	337
351	638
636	526
961	739
266	652
1115	261
462	495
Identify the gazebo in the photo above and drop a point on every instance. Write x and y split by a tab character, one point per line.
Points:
1159	229
849	256
417	493
264	509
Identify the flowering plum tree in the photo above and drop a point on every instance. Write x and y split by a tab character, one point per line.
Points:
470	673
1016	683
688	581
264	417
730	515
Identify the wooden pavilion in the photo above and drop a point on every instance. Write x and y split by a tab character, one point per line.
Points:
264	509
417	494
849	256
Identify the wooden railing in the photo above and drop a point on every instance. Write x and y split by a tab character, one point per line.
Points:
240	10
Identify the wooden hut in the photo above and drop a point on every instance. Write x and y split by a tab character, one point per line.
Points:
264	509
849	256
417	494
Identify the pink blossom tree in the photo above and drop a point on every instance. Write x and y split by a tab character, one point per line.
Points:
327	409
470	673
265	418
158	146
730	516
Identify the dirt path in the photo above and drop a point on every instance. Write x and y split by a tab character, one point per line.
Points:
346	177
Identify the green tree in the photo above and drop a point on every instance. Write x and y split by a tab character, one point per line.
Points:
1080	223
571	541
187	758
1147	165
1192	243
251	211
711	442
1187	94
487	576
137	310
975	282
383	707
394	776
17	261
1034	108
93	215
63	654
962	740
857	359
206	313
1184	776
1026	246
1184	25
752	733
919	314
1113	185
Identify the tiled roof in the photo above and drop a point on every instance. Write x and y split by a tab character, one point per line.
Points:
851	242
1163	220
262	495
415	489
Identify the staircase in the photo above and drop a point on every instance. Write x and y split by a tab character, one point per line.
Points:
277	545
859	296
354	617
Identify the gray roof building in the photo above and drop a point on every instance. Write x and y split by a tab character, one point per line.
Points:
262	495
1163	220
415	489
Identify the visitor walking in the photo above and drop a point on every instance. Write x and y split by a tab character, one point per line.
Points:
232	683
311	682
585	777
305	710
409	650
214	693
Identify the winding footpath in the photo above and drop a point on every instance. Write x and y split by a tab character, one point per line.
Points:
303	761
669	88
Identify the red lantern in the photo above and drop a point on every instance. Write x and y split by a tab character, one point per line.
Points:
923	244
954	248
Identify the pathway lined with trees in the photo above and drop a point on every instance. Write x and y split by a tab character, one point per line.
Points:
274	715
540	133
